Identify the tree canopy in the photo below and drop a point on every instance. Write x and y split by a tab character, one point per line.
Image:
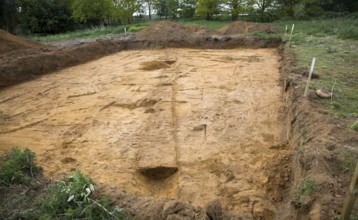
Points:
53	16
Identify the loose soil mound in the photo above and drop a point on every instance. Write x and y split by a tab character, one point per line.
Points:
9	43
242	27
170	31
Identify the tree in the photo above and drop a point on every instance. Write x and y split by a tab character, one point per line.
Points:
92	11
44	16
8	14
187	8
208	8
286	6
238	6
124	9
262	5
166	8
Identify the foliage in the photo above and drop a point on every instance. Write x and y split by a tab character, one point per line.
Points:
208	8
90	33
124	9
307	187
353	126
166	8
93	11
8	11
72	199
18	168
44	16
187	8
238	6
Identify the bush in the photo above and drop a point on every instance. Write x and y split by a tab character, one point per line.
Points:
72	199
18	168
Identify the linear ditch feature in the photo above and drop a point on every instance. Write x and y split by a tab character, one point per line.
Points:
206	126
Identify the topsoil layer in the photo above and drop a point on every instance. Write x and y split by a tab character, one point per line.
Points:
11	43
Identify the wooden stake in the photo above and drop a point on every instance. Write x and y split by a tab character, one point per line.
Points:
289	41
351	196
309	77
125	32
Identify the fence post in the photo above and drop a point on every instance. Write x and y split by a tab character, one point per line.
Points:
350	197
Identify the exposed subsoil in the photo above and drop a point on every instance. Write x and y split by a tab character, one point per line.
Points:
178	133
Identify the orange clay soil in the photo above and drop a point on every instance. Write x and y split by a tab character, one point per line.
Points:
194	125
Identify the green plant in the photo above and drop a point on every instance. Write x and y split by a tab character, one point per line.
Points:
347	159
353	126
18	168
73	199
307	187
136	28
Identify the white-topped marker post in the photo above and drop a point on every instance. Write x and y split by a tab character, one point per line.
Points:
289	41
309	76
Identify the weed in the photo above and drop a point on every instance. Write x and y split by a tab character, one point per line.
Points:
72	199
353	126
304	133
18	168
307	187
300	150
347	159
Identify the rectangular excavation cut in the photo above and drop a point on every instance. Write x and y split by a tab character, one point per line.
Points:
195	125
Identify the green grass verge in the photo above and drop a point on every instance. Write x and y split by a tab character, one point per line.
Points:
335	45
89	33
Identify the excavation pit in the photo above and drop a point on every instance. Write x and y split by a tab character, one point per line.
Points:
94	117
159	172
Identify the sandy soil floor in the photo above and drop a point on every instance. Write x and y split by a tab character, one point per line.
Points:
195	125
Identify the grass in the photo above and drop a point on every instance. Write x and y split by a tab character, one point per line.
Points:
353	126
206	24
347	159
72	198
307	187
90	33
334	42
19	168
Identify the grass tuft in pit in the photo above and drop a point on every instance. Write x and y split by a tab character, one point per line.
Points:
307	187
24	197
19	167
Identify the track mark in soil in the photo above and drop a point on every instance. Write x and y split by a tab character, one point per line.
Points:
23	127
10	98
82	94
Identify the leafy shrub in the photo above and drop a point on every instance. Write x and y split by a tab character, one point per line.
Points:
18	168
72	199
